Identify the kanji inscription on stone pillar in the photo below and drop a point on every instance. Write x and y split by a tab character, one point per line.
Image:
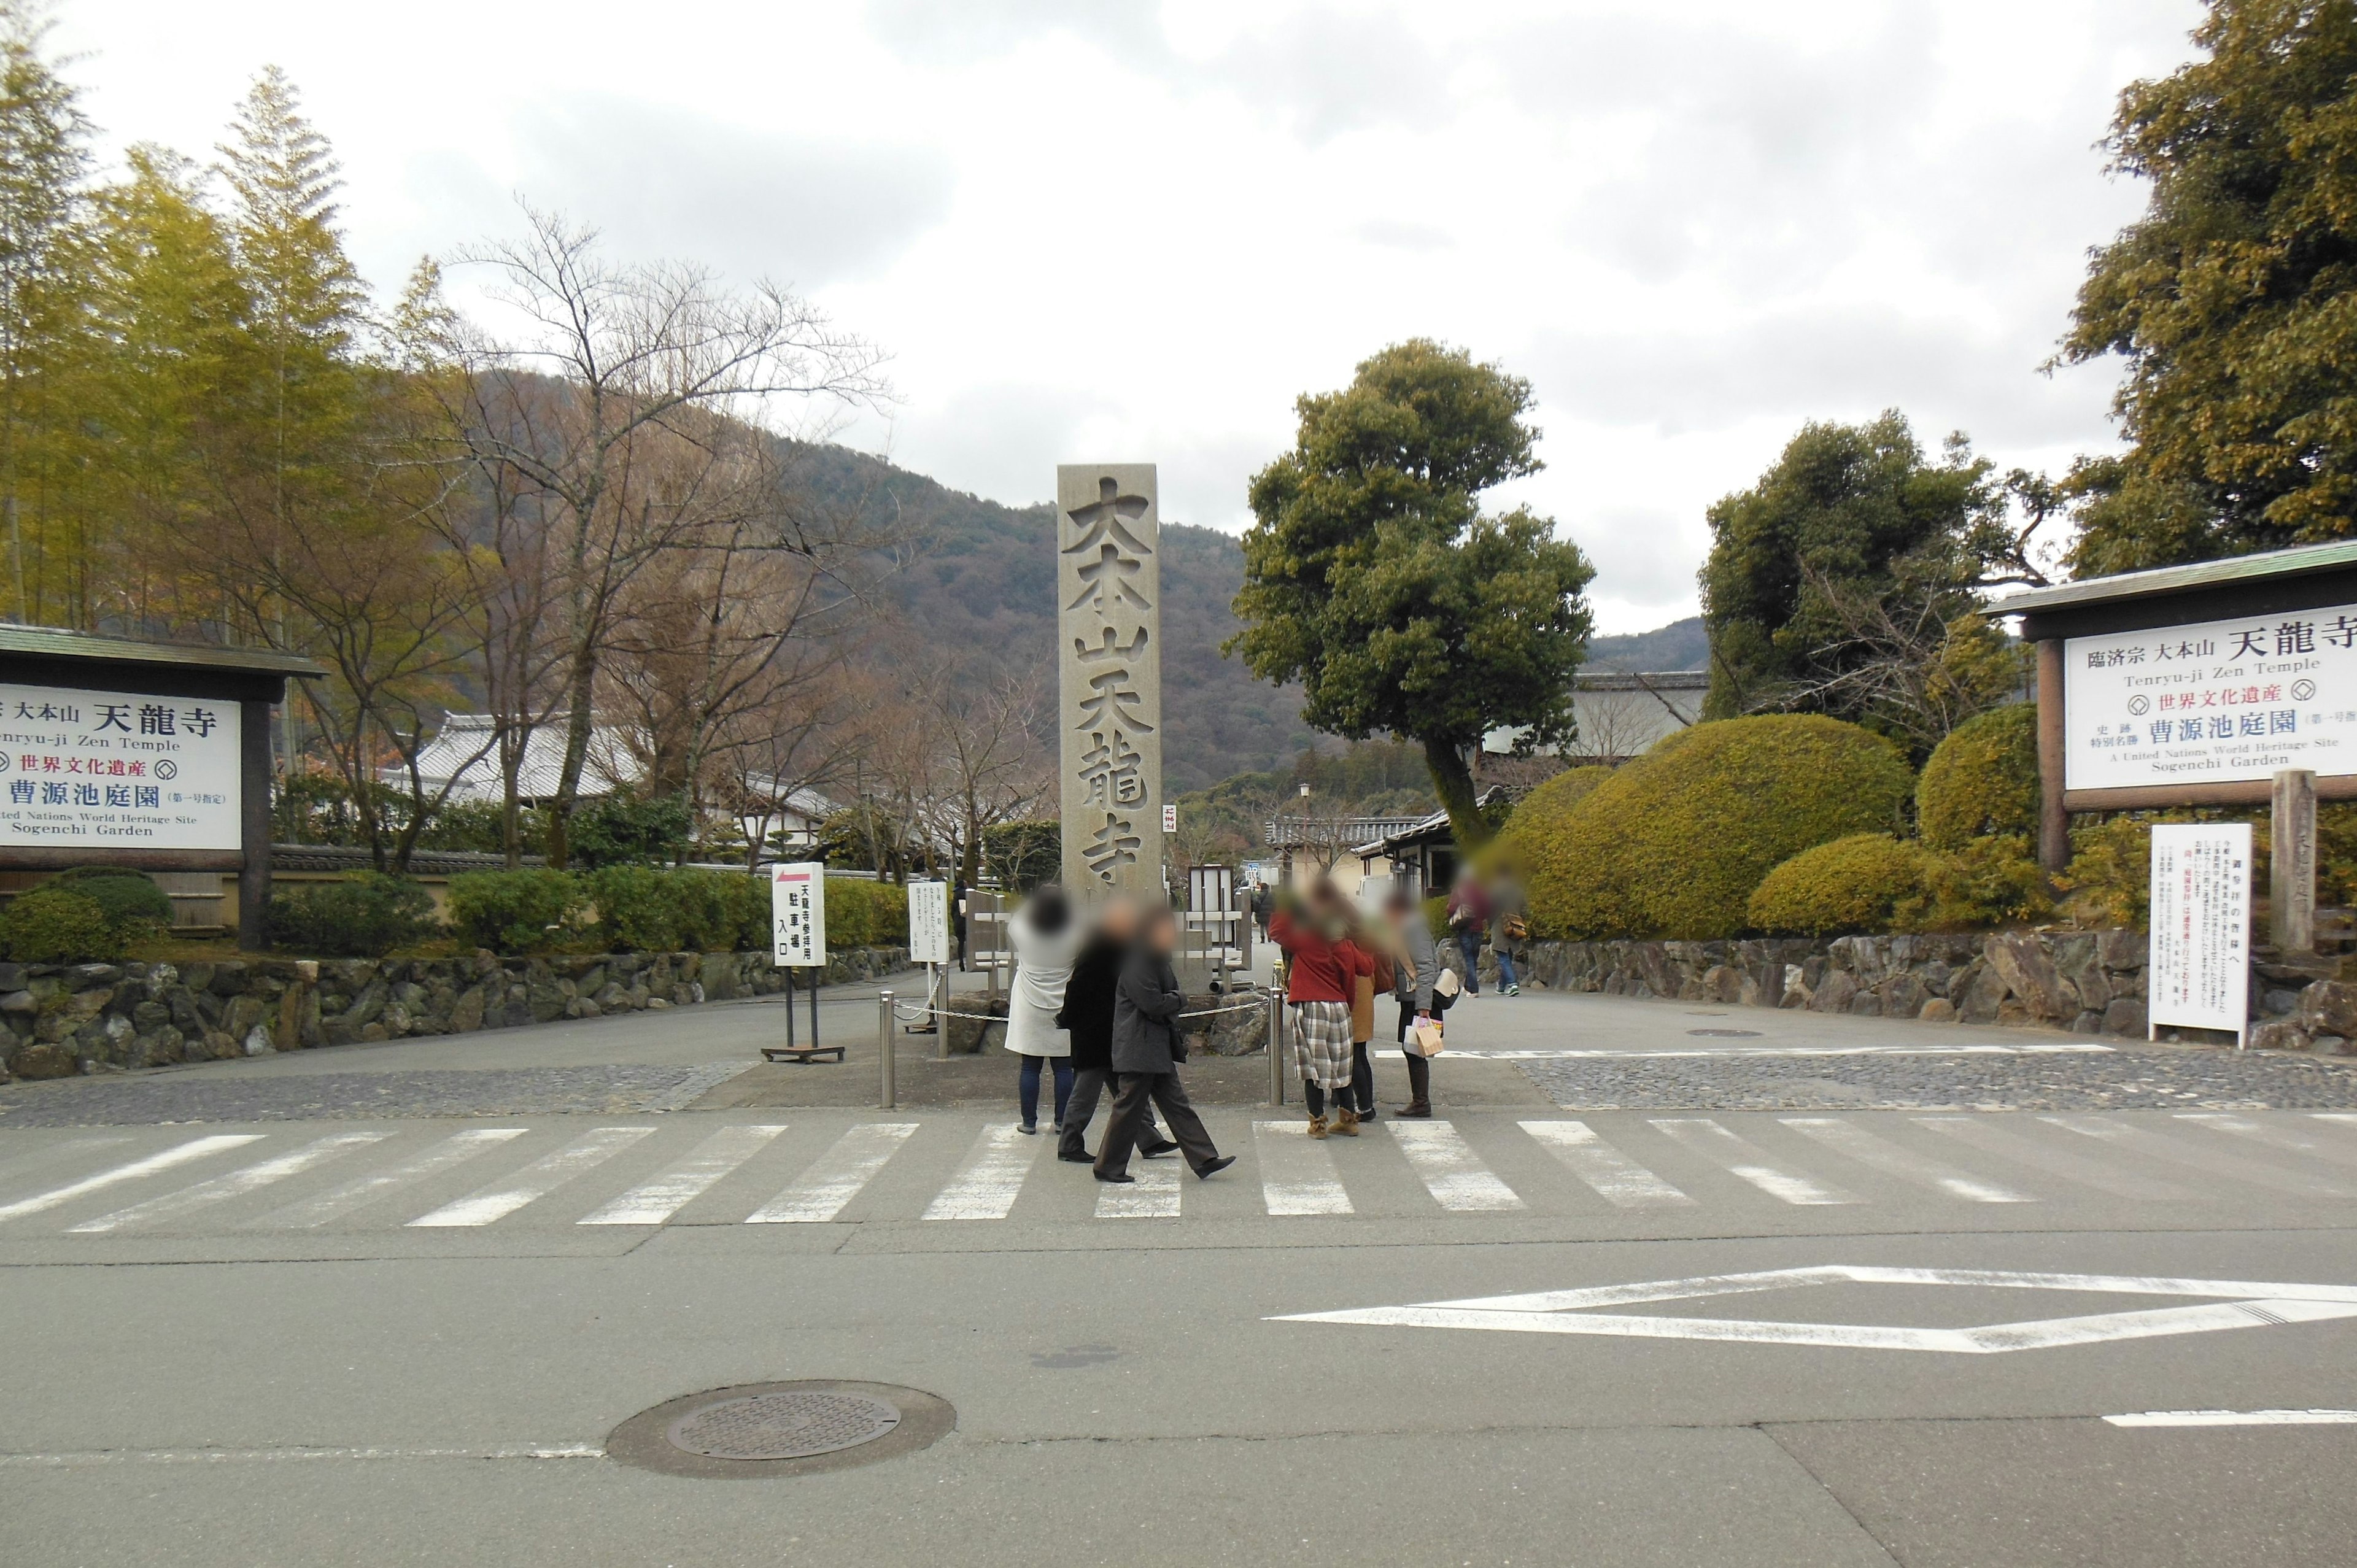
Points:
1109	664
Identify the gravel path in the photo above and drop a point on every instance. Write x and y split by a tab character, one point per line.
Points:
359	1096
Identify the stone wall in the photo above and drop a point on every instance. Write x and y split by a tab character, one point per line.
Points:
100	1017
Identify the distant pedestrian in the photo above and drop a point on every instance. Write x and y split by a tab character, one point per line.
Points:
1468	918
1263	905
1510	930
1147	1048
1322	964
1046	938
1415	984
1087	1017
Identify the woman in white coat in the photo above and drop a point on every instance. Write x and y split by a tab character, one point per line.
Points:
1046	940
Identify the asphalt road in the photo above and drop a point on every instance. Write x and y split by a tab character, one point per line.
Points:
1637	1308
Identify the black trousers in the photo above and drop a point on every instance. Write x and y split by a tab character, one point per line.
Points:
1419	1068
1130	1115
1087	1083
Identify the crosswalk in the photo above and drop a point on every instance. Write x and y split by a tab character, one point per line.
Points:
956	1171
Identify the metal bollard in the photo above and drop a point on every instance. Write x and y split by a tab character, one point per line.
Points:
1275	1047
886	1091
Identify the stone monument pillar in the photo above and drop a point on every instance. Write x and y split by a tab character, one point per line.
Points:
1109	670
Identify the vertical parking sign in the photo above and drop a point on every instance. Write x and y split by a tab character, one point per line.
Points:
798	915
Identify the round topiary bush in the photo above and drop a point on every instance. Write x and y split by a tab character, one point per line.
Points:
1982	779
1867	882
130	899
58	924
1673	843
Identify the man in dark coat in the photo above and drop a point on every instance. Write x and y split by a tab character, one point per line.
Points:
1088	1018
1146	1051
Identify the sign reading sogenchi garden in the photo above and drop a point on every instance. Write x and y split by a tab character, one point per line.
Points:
90	770
2225	700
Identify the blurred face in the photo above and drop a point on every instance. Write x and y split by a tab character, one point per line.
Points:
1162	932
1120	919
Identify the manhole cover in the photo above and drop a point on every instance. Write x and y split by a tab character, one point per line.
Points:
780	1429
782	1426
1728	1034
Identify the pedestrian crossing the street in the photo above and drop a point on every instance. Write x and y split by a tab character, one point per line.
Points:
832	1167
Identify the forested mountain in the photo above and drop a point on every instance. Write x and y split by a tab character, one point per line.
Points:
1681	645
982	579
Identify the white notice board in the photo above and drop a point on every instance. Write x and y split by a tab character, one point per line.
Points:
929	922
81	769
2200	972
798	915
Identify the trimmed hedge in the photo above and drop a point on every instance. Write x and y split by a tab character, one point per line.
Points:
1982	780
59	923
645	909
526	912
132	902
859	914
1867	882
1674	844
365	914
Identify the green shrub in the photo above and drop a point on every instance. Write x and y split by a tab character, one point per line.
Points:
862	914
1867	882
1991	880
527	912
55	924
620	829
1436	918
365	914
130	899
1674	844
1982	780
641	910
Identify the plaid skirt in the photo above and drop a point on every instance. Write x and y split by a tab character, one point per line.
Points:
1322	1042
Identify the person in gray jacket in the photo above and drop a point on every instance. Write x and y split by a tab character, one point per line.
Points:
1416	964
1146	1051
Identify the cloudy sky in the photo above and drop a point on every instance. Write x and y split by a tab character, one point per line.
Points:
1092	230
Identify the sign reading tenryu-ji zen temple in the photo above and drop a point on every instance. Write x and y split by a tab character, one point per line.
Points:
1109	662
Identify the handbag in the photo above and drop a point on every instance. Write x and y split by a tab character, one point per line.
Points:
1447	985
1425	1034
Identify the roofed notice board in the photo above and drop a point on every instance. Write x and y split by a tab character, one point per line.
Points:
86	768
2216	702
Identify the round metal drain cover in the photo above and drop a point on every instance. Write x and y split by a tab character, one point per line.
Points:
782	1426
1728	1034
781	1429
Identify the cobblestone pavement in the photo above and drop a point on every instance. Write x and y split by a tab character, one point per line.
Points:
111	1100
2123	1080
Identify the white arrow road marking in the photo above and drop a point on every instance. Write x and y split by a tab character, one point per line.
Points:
1153	1196
171	1158
456	1149
2236	1418
2161	1146
986	1186
1617	1179
656	1200
1450	1170
1872	1149
1977	1132
1296	1172
234	1184
536	1180
834	1179
1561	1312
1746	1159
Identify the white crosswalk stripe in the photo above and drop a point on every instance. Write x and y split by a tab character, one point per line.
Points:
2275	1136
2177	1151
339	1201
1450	1170
170	1159
986	1185
17	1165
834	1179
235	1184
1982	1134
655	1201
1746	1160
1879	1153
1153	1196
1296	1171
1613	1175
536	1181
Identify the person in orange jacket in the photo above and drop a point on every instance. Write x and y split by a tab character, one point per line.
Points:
1323	966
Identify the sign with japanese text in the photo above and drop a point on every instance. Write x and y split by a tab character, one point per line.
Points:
1109	663
929	922
798	915
2200	969
2219	702
90	770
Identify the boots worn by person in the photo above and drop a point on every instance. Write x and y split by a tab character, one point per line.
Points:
1346	1123
1317	1126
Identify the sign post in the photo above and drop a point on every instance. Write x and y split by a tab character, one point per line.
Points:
2291	867
2200	970
798	940
928	944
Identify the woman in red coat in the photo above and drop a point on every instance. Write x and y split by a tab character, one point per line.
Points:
1322	968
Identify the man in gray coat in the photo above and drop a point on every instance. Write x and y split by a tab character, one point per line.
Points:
1146	1051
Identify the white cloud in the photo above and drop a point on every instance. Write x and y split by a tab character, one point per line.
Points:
1088	229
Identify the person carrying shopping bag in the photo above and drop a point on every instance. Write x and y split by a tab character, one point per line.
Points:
1415	984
